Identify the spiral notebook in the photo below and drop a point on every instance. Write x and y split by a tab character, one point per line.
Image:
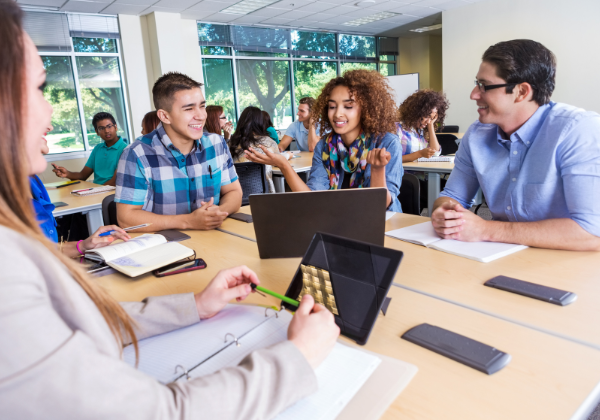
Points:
437	159
226	339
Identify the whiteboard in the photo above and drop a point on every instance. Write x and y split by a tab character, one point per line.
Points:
403	86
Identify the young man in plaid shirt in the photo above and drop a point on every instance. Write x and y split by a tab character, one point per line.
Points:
177	177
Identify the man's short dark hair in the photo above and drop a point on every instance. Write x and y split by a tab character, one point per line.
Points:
307	100
167	85
102	116
524	60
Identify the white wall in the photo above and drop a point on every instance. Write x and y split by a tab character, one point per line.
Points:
570	29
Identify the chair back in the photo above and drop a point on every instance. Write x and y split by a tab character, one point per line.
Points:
109	210
448	143
253	179
410	194
450	129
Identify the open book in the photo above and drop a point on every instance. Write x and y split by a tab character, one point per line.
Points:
226	339
424	234
141	254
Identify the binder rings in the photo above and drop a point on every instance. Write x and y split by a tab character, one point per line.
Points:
350	278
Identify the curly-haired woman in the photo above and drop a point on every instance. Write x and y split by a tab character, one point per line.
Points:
357	113
420	114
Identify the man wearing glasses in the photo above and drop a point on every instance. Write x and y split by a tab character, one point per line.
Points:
105	156
536	161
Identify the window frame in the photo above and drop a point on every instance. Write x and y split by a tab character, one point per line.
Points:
291	59
72	55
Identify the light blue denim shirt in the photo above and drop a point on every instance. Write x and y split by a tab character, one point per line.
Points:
548	169
319	180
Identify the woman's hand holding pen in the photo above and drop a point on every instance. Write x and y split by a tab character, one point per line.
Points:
96	241
313	331
233	283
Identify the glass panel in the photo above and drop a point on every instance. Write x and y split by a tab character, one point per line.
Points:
259	54
60	92
207	32
95	45
101	91
357	46
311	76
387	57
387	69
218	79
216	51
266	84
354	66
314	41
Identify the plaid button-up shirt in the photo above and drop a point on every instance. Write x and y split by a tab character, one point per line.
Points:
154	174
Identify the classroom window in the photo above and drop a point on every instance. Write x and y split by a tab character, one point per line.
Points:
311	76
357	46
218	85
66	135
354	66
387	69
101	91
310	44
266	84
216	50
95	45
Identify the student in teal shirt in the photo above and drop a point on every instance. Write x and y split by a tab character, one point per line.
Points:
105	156
271	132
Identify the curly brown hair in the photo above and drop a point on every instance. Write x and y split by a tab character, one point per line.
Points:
419	105
371	91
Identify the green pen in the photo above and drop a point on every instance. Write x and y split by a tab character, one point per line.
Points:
277	295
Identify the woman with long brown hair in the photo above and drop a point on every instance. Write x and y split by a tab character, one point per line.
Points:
62	334
216	121
357	113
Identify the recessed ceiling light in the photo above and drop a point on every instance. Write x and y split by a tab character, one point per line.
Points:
35	7
372	18
427	28
247	6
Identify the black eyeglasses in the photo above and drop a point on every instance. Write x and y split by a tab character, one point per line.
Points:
108	127
484	88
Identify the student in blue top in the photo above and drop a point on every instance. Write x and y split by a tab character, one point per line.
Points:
43	208
271	132
105	156
360	150
535	160
303	130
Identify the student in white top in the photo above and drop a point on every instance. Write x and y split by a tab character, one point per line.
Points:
62	334
306	133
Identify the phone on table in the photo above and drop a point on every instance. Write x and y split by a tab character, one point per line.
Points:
180	267
60	204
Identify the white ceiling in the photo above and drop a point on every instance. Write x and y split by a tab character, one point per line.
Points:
312	14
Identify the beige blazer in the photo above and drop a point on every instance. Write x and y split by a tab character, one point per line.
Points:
59	360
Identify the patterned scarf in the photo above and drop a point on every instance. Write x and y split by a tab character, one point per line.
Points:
337	158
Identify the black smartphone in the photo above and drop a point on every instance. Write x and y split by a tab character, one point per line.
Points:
532	290
180	267
60	204
243	217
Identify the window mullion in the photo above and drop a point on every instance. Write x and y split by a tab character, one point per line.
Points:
79	97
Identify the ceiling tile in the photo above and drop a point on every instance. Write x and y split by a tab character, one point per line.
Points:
271	11
83	6
146	3
277	21
49	3
322	17
337	20
125	9
361	13
293	14
343	1
342	10
291	4
415	10
221	17
195	14
152	9
248	19
205	6
318	6
176	4
452	4
430	3
386	6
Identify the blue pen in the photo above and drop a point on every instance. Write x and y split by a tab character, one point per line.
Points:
126	229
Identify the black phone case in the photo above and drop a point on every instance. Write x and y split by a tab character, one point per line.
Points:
459	348
361	275
242	217
60	204
532	290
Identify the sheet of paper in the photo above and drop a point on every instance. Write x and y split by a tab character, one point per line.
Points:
478	251
389	215
421	234
122	249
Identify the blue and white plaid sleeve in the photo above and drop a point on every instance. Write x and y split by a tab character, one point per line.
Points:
132	185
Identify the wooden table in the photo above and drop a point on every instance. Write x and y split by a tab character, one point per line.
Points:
460	280
303	163
548	377
91	205
433	171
